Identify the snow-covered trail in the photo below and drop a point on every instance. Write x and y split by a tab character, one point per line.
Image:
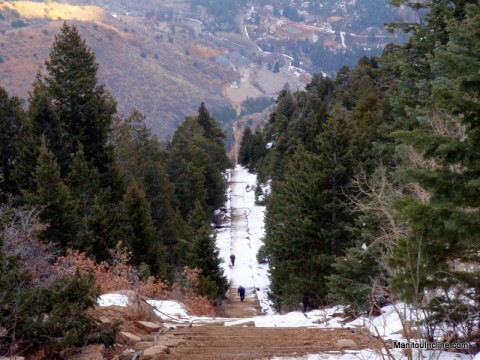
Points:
244	237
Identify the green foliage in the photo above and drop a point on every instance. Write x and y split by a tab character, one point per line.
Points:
42	121
84	108
439	253
253	105
355	280
246	146
11	117
203	253
138	231
55	198
196	161
317	141
52	317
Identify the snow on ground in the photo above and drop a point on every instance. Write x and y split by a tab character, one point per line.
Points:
168	309
244	237
112	299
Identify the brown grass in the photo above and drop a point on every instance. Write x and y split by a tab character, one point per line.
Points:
54	11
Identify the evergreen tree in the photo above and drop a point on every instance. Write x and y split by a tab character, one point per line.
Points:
210	126
41	121
11	119
204	254
444	223
142	160
195	166
259	150
84	108
45	121
299	232
355	280
138	231
246	147
54	197
28	148
84	185
188	179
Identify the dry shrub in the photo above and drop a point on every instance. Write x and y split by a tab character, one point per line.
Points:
114	275
118	275
20	235
184	290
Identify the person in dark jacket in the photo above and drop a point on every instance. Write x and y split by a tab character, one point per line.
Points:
232	259
305	302
241	292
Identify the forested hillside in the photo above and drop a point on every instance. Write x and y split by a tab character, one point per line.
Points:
374	178
91	200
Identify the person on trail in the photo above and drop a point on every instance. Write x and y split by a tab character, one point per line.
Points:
232	259
241	292
305	302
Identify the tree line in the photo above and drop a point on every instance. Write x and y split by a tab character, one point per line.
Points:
374	178
84	179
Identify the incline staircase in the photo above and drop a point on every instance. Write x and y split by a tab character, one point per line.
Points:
234	308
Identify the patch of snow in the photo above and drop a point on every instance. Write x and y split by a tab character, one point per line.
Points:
112	300
166	309
342	35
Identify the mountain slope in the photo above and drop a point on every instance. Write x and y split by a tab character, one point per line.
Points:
140	67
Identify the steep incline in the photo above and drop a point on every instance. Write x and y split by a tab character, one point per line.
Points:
243	243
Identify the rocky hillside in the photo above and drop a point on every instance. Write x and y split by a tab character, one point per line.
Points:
143	67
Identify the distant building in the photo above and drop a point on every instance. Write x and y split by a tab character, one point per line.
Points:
235	84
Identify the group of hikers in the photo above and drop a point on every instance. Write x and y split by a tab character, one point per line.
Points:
241	289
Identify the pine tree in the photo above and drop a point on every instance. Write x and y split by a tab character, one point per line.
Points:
45	121
11	119
188	179
55	198
84	185
299	233
28	148
209	124
246	147
204	254
143	160
355	280
195	166
443	224
138	231
41	121
84	108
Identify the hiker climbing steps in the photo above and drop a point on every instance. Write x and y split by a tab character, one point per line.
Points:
234	308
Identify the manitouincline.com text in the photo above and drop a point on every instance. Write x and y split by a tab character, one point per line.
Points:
429	345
